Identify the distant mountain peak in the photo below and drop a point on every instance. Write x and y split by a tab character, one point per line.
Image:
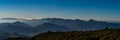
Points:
78	20
17	22
91	20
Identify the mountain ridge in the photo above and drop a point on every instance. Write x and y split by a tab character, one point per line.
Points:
53	24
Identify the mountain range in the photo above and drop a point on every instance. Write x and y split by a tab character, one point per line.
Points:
35	26
76	24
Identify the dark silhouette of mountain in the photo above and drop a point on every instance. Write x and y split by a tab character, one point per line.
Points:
50	27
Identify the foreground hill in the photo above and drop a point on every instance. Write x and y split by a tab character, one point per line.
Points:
110	34
103	34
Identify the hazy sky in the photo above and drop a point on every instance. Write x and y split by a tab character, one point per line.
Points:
83	9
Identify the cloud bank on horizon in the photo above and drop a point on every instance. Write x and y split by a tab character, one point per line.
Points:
83	9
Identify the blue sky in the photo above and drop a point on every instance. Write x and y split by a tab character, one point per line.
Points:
82	9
